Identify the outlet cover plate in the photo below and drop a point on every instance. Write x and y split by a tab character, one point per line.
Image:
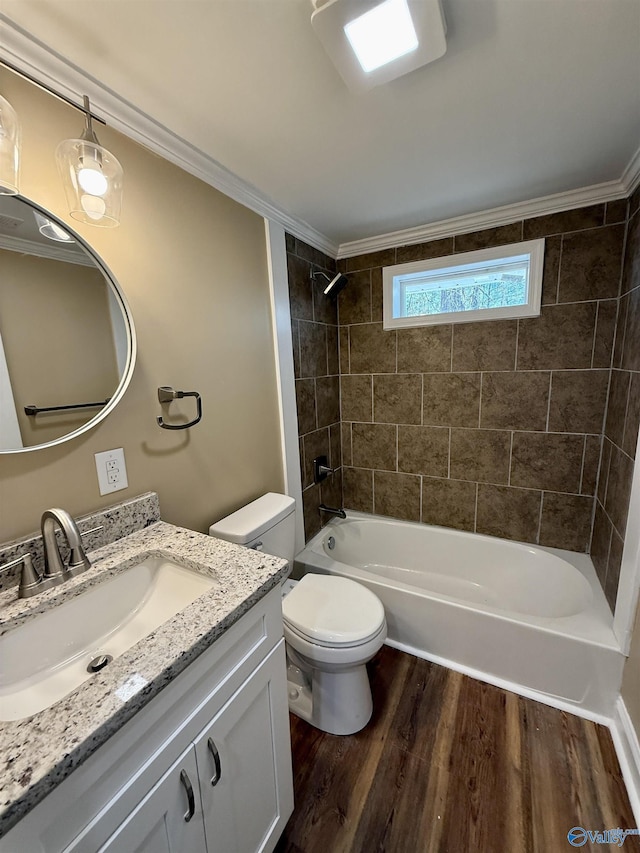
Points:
112	471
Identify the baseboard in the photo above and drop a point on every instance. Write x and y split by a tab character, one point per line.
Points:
625	741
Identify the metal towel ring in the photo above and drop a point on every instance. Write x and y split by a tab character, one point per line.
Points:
166	394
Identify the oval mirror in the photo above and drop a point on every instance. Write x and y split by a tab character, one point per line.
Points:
67	341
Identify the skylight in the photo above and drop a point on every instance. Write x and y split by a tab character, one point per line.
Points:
382	34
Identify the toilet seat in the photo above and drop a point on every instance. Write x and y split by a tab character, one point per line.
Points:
333	612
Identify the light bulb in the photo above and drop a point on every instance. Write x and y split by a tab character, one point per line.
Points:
92	181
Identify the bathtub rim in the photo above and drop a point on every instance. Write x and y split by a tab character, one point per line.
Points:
593	625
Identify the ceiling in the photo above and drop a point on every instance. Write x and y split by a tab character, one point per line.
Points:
532	98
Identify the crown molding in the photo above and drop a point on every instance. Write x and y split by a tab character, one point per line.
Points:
40	62
42	250
631	175
596	194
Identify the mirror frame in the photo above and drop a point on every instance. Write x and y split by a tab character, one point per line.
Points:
132	344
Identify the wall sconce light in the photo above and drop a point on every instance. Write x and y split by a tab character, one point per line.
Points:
92	177
51	230
9	149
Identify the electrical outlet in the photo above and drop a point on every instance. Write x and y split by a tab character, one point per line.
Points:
112	471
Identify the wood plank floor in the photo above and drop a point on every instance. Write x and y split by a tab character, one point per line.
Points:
450	764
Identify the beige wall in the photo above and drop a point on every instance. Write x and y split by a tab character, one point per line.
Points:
192	264
58	342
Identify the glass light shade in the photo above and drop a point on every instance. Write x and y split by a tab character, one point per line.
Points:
9	149
51	230
92	179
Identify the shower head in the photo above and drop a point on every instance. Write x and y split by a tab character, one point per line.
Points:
335	284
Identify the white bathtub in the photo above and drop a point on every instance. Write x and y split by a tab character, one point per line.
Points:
531	619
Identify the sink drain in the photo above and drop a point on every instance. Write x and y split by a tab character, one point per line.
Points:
99	663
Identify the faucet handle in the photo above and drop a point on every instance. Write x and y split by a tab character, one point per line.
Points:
29	578
78	561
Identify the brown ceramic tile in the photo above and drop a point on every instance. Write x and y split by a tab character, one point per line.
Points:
632	422
514	400
424	251
591	264
376	295
631	351
313	349
560	338
325	308
488	238
621	326
315	256
451	399
397	398
328	400
424	350
490	345
613	570
617	406
396	495
619	489
315	443
603	472
590	465
578	399
290	242
559	223
374	446
449	503
548	461
306	405
357	484
631	271
345	441
300	296
551	270
605	331
423	450
383	258
616	211
481	455
335	445
331	492
357	398
333	354
343	343
508	513
600	541
354	302
295	338
372	350
634	202
311	500
566	521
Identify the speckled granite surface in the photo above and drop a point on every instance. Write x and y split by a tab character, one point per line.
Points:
42	750
114	523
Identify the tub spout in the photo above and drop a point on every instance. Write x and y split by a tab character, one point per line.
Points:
333	511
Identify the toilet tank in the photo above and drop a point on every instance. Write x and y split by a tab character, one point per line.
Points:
267	524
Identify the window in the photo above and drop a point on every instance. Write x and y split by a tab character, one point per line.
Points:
490	284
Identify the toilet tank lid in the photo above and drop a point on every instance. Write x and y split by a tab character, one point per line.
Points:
253	519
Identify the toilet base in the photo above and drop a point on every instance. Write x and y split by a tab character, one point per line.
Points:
339	703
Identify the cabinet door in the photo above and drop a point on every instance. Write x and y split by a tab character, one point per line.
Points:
169	818
244	764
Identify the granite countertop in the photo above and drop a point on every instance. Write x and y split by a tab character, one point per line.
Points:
42	750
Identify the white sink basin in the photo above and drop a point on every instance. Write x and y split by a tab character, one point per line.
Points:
46	658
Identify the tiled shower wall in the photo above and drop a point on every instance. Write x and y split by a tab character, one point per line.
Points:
622	420
314	323
492	427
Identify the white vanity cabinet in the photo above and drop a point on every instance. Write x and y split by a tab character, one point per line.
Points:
220	729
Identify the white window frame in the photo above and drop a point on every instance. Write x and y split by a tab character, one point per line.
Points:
533	248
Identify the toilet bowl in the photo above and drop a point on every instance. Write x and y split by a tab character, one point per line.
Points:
332	626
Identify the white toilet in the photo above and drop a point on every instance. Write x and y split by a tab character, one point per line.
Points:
332	625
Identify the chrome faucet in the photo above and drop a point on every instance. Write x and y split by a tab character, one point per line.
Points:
54	569
333	510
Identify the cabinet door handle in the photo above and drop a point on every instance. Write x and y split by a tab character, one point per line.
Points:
191	800
216	762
